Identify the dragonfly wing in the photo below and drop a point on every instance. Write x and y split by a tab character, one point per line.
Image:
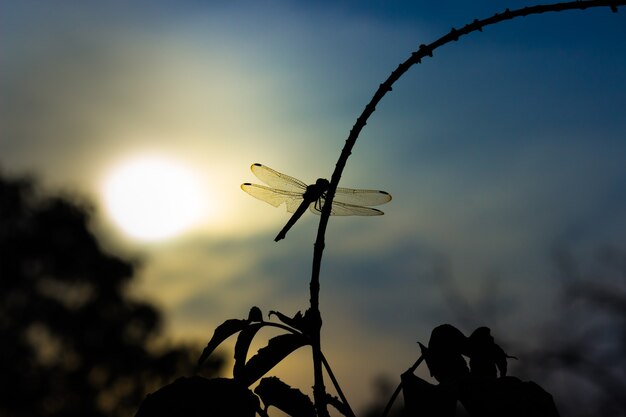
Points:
356	197
343	209
277	180
273	196
293	204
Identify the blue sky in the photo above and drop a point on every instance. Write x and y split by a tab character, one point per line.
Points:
502	146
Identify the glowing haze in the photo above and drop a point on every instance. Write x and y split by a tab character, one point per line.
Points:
152	198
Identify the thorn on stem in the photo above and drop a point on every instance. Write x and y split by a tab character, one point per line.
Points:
454	34
426	50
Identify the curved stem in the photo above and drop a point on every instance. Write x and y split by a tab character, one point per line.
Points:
416	57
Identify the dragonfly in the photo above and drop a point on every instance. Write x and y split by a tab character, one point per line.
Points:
298	196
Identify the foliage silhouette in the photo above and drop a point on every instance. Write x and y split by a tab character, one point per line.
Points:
580	350
481	391
274	392
478	387
73	342
200	397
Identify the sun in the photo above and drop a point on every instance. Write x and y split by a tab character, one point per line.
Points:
152	198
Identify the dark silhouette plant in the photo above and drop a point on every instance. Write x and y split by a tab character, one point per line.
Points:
478	387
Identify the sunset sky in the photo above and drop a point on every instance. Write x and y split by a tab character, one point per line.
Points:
502	147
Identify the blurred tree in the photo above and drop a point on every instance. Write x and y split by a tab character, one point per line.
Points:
72	341
584	348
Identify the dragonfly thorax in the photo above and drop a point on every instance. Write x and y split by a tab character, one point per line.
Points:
315	191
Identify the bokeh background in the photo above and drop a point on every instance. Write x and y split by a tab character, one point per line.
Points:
505	155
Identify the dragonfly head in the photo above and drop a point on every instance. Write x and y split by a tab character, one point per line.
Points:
322	183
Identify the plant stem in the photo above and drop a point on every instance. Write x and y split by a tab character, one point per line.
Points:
319	391
329	370
344	400
399	387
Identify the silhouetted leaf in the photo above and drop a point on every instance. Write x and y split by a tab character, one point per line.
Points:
255	314
221	333
294	322
485	355
243	344
444	354
266	358
274	392
425	399
505	396
200	397
303	323
339	405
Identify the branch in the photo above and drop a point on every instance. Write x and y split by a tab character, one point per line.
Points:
424	50
395	394
344	400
